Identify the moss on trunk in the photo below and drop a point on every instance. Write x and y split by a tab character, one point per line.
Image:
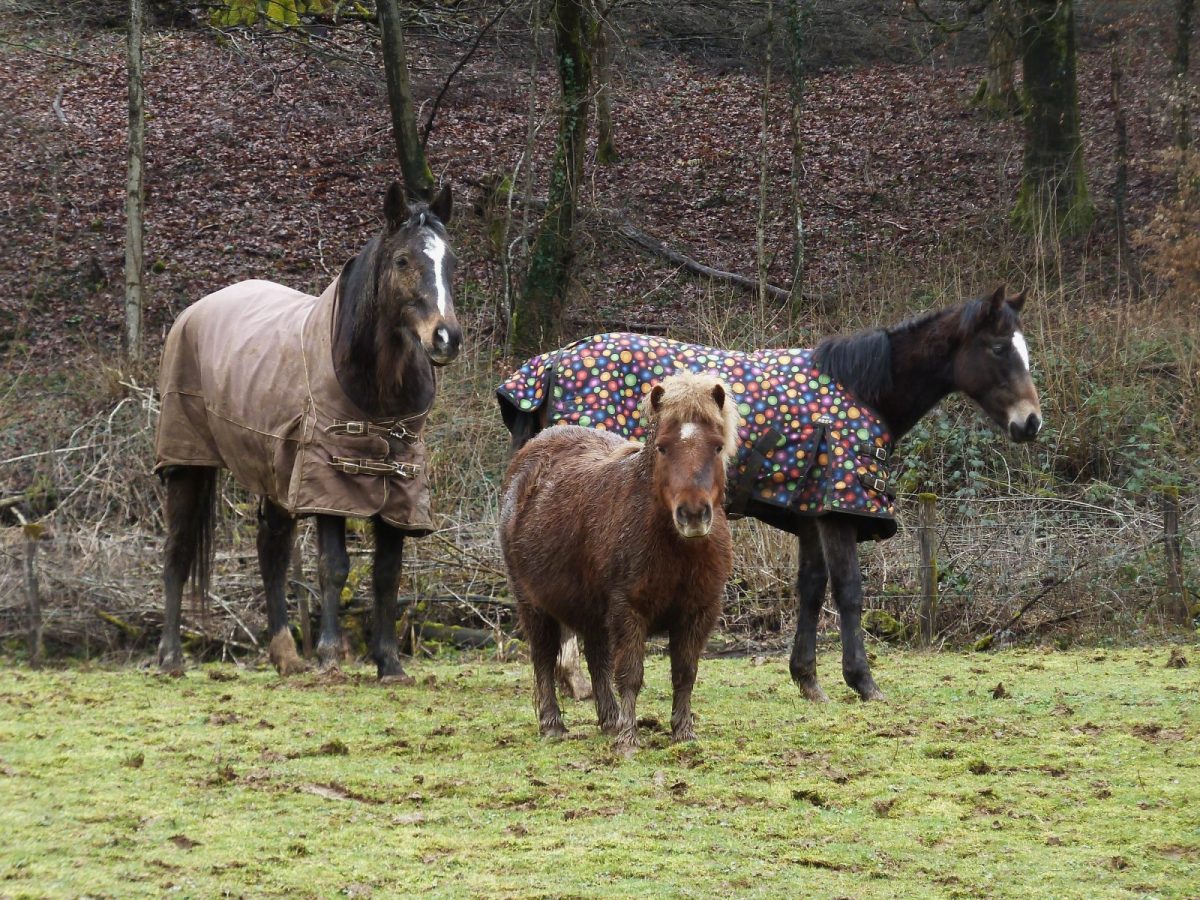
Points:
537	318
1053	195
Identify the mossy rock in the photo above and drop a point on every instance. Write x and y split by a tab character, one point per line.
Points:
884	626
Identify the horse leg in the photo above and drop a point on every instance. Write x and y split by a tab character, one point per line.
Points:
275	530
189	511
599	659
389	553
333	568
629	648
687	640
544	635
810	593
839	543
568	671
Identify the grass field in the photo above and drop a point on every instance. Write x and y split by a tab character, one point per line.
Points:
1081	779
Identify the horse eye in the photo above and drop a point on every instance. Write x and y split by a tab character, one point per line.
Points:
661	448
1001	348
717	448
402	262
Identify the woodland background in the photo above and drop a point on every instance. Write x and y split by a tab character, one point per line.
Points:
269	144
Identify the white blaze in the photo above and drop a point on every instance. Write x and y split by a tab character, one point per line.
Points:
1021	347
435	249
688	430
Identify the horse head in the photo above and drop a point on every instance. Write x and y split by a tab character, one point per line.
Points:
693	432
414	274
991	364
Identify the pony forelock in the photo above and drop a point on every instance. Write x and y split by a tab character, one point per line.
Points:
688	397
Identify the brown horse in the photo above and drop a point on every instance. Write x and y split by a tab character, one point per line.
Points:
316	404
617	540
820	425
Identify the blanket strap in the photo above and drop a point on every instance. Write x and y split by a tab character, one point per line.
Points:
376	467
396	428
878	484
755	459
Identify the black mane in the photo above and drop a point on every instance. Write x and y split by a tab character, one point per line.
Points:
862	362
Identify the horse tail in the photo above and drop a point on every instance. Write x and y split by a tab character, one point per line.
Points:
204	519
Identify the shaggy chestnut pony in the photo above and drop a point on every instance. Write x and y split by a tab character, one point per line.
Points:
617	540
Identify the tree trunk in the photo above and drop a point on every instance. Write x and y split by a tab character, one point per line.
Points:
999	93
1053	197
606	147
1179	69
797	21
1127	261
764	159
537	319
134	192
418	177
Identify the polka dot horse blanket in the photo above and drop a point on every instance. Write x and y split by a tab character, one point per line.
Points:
808	447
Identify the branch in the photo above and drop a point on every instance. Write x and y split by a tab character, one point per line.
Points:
458	68
653	245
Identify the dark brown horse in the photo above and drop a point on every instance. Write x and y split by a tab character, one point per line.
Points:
860	394
617	540
317	405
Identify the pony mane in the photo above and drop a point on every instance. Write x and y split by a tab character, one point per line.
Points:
688	397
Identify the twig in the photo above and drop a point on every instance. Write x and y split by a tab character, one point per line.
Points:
458	68
235	618
57	106
71	59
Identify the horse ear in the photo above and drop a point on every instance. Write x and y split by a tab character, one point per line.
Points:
442	205
718	394
656	395
1017	302
997	299
395	206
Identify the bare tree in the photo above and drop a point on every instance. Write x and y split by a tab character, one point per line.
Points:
998	93
1053	191
418	177
134	192
798	12
1179	69
538	312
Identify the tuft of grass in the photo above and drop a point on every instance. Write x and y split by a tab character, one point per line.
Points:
1082	782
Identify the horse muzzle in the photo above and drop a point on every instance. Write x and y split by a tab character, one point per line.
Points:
1024	422
447	341
693	522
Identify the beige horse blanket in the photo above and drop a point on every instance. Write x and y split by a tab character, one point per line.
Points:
247	382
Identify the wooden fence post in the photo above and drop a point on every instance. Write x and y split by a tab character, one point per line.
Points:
33	532
926	534
1175	607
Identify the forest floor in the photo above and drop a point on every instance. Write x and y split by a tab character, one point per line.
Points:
1031	773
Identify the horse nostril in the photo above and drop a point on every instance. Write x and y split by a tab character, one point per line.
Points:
1033	425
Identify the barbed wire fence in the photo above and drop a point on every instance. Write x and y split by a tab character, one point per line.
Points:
1008	568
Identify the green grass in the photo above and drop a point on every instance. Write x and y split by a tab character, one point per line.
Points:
1084	780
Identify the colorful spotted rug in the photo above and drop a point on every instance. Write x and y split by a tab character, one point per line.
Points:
807	446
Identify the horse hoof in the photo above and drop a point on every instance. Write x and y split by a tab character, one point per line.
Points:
553	732
872	694
813	691
286	667
683	737
627	744
401	677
